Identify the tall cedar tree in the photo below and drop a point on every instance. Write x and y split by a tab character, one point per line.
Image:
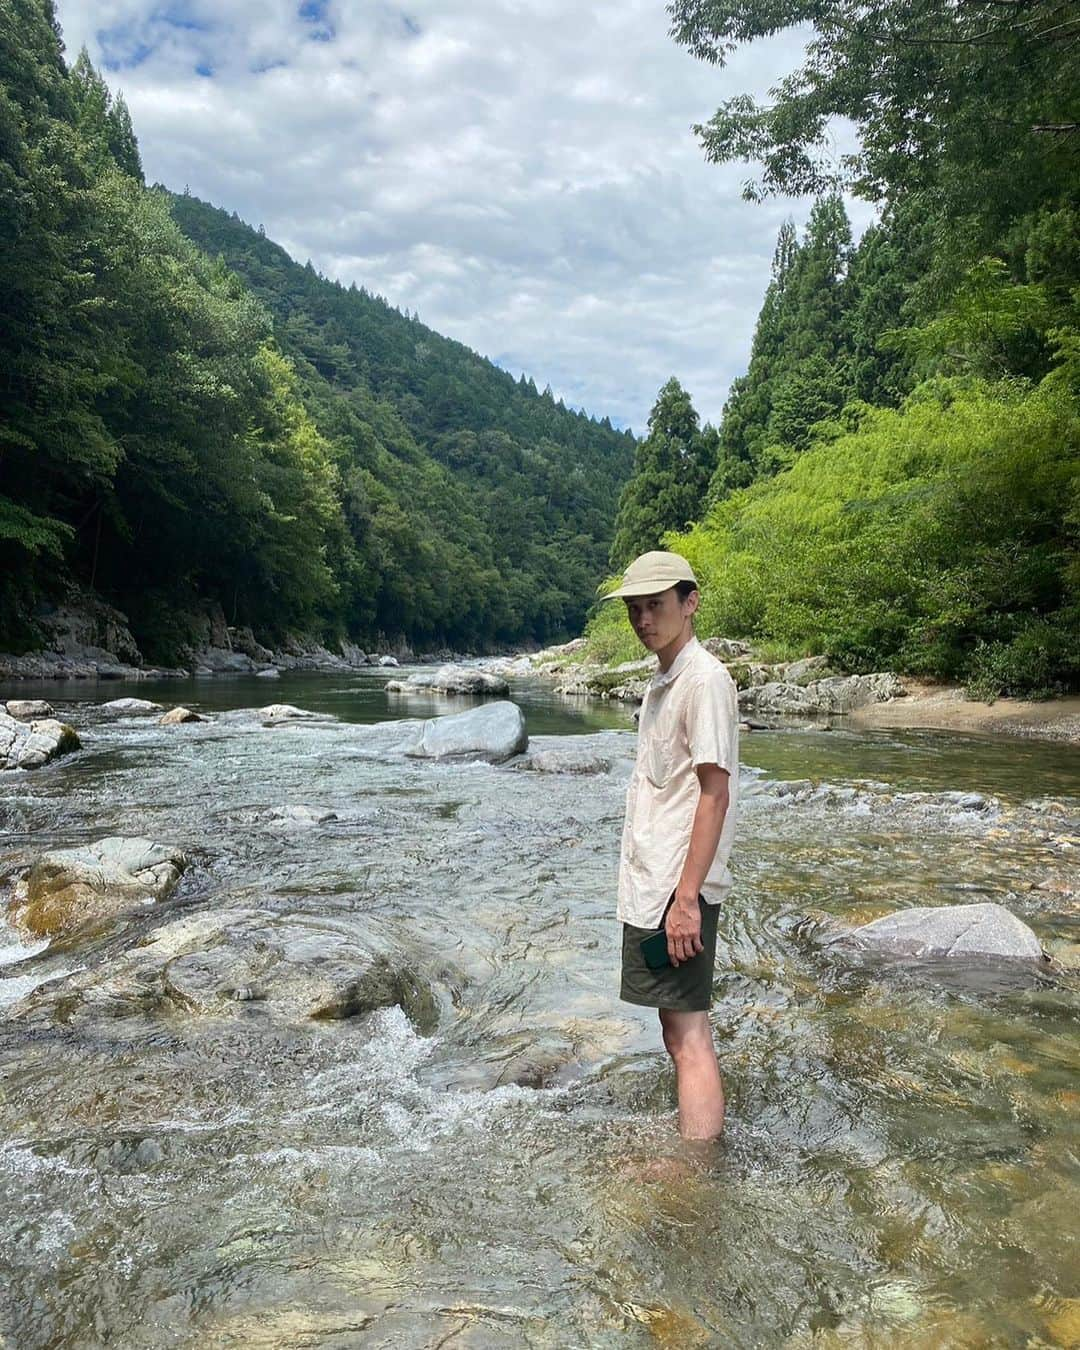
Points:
672	468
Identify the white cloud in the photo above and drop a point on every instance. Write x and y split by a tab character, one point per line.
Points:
522	172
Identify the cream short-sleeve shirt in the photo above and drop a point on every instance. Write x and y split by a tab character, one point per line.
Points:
690	716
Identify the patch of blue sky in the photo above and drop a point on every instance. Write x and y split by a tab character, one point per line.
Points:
205	70
122	47
126	45
317	14
180	15
410	25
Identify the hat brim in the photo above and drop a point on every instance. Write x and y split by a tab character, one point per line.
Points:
636	591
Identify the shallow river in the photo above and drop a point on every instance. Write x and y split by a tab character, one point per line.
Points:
479	1168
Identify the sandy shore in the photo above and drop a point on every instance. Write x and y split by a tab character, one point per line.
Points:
945	707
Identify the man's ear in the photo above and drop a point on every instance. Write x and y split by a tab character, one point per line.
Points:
692	601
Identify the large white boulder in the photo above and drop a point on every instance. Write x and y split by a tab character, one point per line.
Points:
961	932
452	679
837	694
494	732
28	709
29	745
70	887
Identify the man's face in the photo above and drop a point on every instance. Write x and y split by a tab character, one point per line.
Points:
658	620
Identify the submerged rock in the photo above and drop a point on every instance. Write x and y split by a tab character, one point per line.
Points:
452	680
70	887
177	716
27	709
130	707
30	745
493	732
565	761
244	964
962	932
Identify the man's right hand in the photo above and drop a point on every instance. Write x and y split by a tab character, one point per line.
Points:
683	928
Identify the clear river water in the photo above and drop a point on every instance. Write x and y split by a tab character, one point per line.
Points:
495	1163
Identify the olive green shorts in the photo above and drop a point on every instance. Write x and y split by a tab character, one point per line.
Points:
686	987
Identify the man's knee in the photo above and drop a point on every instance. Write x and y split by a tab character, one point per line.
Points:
686	1035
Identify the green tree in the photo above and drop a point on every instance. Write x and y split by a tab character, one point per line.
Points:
935	90
799	360
672	467
103	122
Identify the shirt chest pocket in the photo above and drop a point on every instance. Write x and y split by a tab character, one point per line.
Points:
659	758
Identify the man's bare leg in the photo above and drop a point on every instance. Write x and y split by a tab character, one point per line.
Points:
688	1040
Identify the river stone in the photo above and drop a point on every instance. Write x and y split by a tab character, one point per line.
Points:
129	707
962	932
566	761
271	673
177	716
294	970
69	887
222	660
302	817
493	732
837	694
353	654
726	648
27	709
388	661
452	680
283	712
807	670
30	745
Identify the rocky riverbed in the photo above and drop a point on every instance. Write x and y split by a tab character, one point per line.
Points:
776	693
88	640
347	1064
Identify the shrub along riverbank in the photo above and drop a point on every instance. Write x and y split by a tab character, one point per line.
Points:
935	540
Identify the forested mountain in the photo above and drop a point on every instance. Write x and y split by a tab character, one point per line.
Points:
898	472
535	481
177	430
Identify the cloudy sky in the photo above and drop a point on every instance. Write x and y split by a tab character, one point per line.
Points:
521	172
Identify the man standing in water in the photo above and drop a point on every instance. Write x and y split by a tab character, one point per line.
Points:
680	820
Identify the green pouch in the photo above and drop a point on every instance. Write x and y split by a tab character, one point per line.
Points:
654	950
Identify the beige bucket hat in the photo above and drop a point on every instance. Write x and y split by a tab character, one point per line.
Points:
651	573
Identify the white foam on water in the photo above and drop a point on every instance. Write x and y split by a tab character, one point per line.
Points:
14	949
382	1074
18	1160
300	1160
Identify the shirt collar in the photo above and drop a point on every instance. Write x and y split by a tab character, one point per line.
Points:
665	677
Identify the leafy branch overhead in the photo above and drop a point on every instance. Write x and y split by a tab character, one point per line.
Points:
956	97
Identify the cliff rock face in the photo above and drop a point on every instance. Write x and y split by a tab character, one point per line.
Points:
84	638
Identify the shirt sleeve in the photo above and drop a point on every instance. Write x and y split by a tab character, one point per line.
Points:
713	723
